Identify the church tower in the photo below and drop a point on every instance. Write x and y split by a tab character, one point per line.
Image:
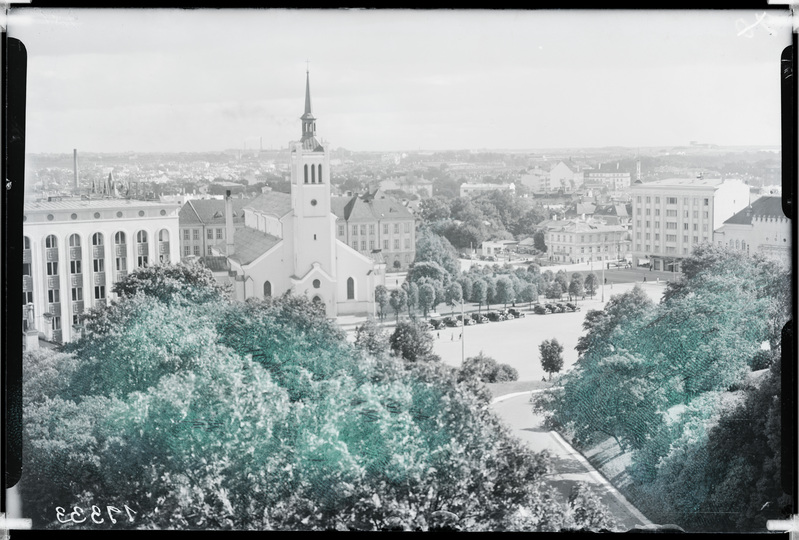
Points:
313	223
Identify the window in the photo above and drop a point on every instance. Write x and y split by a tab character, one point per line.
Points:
372	228
267	289
685	239
671	225
649	200
163	235
638	199
685	200
26	243
219	235
685	226
186	235
97	239
26	269
671	238
316	284
186	251
121	264
209	234
385	244
141	260
354	244
696	214
638	223
363	230
56	323
50	242
74	240
704	228
707	202
363	245
657	211
371	244
695	226
385	228
638	211
671	213
407	243
99	265
74	267
648	212
706	215
657	224
319	168
341	230
119	238
52	269
196	250
99	292
657	200
354	230
27	297
646	248
209	252
671	200
685	214
53	296
396	228
696	239
407	227
657	237
396	243
638	236
648	237
670	249
77	294
350	289
195	235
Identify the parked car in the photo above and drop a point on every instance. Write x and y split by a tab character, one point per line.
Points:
573	307
494	316
467	321
450	321
561	307
479	318
541	310
551	307
437	324
516	313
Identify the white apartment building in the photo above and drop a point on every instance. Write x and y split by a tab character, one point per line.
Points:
74	250
476	189
577	240
670	217
761	228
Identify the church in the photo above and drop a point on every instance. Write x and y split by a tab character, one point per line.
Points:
288	242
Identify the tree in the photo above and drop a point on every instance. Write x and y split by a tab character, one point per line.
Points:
382	299
529	293
551	356
562	279
591	284
539	241
370	338
413	297
432	248
427	295
188	282
413	342
433	209
485	369
505	292
491	291
454	295
429	270
466	286
479	291
398	301
576	286
554	291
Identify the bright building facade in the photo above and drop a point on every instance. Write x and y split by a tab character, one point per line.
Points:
577	241
761	228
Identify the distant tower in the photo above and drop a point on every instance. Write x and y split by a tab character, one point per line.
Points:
75	166
638	169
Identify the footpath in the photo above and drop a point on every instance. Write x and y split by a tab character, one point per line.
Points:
570	467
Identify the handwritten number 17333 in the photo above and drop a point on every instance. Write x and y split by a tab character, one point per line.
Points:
78	515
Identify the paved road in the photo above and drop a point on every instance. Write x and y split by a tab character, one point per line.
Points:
570	467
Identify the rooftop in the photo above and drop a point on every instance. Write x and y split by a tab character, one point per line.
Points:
77	204
368	207
762	207
251	244
275	203
210	211
680	182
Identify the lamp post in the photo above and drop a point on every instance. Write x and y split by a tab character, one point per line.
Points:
463	333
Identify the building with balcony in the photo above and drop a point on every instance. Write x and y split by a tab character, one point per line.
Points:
670	217
74	250
761	228
578	240
373	222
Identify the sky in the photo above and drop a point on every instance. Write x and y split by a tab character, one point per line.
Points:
399	80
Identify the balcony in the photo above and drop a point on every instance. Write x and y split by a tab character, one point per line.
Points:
54	309
51	254
53	282
99	278
77	307
121	250
27	283
76	280
26	256
142	249
163	248
98	252
74	253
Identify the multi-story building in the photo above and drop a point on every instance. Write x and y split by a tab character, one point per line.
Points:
670	217
613	180
371	222
408	183
75	250
468	189
562	177
761	228
577	241
202	224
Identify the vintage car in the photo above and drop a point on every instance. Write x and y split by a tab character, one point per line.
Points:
541	310
516	313
451	321
495	316
573	307
479	318
468	320
437	324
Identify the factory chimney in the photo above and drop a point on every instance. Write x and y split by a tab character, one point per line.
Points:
229	230
75	166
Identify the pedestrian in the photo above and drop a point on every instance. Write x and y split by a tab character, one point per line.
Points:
460	336
606	281
644	279
452	337
438	334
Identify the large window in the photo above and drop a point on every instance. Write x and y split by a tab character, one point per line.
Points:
97	239
267	289
52	269
51	242
99	265
350	289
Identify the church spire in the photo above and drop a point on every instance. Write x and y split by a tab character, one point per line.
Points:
308	120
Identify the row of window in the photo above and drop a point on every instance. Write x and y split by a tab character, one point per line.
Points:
670	225
385	244
316	284
355	229
599	238
51	241
673	200
673	213
194	234
590	248
313	177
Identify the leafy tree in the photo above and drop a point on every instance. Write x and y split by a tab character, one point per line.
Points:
539	241
413	297
189	282
432	248
382	299
562	279
434	209
398	301
505	292
371	338
491	291
479	292
576	286
413	342
591	284
430	270
551	356
427	294
454	295
554	290
466	286
528	293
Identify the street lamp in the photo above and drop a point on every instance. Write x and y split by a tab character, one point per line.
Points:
463	333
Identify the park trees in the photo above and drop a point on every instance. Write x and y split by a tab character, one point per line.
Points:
398	300
504	292
576	286
479	293
591	283
485	369
427	295
371	338
430	247
382	300
454	295
412	342
551	352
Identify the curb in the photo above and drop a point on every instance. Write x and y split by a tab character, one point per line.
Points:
514	394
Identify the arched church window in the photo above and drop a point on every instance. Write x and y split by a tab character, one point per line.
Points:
313	174
350	289
267	289
306	173
320	173
317	284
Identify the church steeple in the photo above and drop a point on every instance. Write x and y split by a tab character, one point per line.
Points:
308	121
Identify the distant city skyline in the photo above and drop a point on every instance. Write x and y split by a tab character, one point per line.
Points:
111	81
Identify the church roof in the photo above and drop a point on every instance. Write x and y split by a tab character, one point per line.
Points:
368	207
274	203
210	212
251	244
764	206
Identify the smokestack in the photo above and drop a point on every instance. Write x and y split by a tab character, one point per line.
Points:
75	166
229	230
261	144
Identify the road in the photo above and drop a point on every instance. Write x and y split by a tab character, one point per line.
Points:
569	466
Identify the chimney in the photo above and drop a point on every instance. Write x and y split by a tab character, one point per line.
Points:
229	230
75	166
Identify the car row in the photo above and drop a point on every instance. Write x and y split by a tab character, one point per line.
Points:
544	309
475	318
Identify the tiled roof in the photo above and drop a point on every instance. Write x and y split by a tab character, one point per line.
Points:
215	264
77	204
210	211
274	203
762	207
368	208
251	244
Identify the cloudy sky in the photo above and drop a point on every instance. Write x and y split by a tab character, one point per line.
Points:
196	80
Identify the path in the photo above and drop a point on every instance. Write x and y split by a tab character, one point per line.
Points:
570	467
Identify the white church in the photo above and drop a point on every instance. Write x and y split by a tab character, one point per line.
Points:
288	242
